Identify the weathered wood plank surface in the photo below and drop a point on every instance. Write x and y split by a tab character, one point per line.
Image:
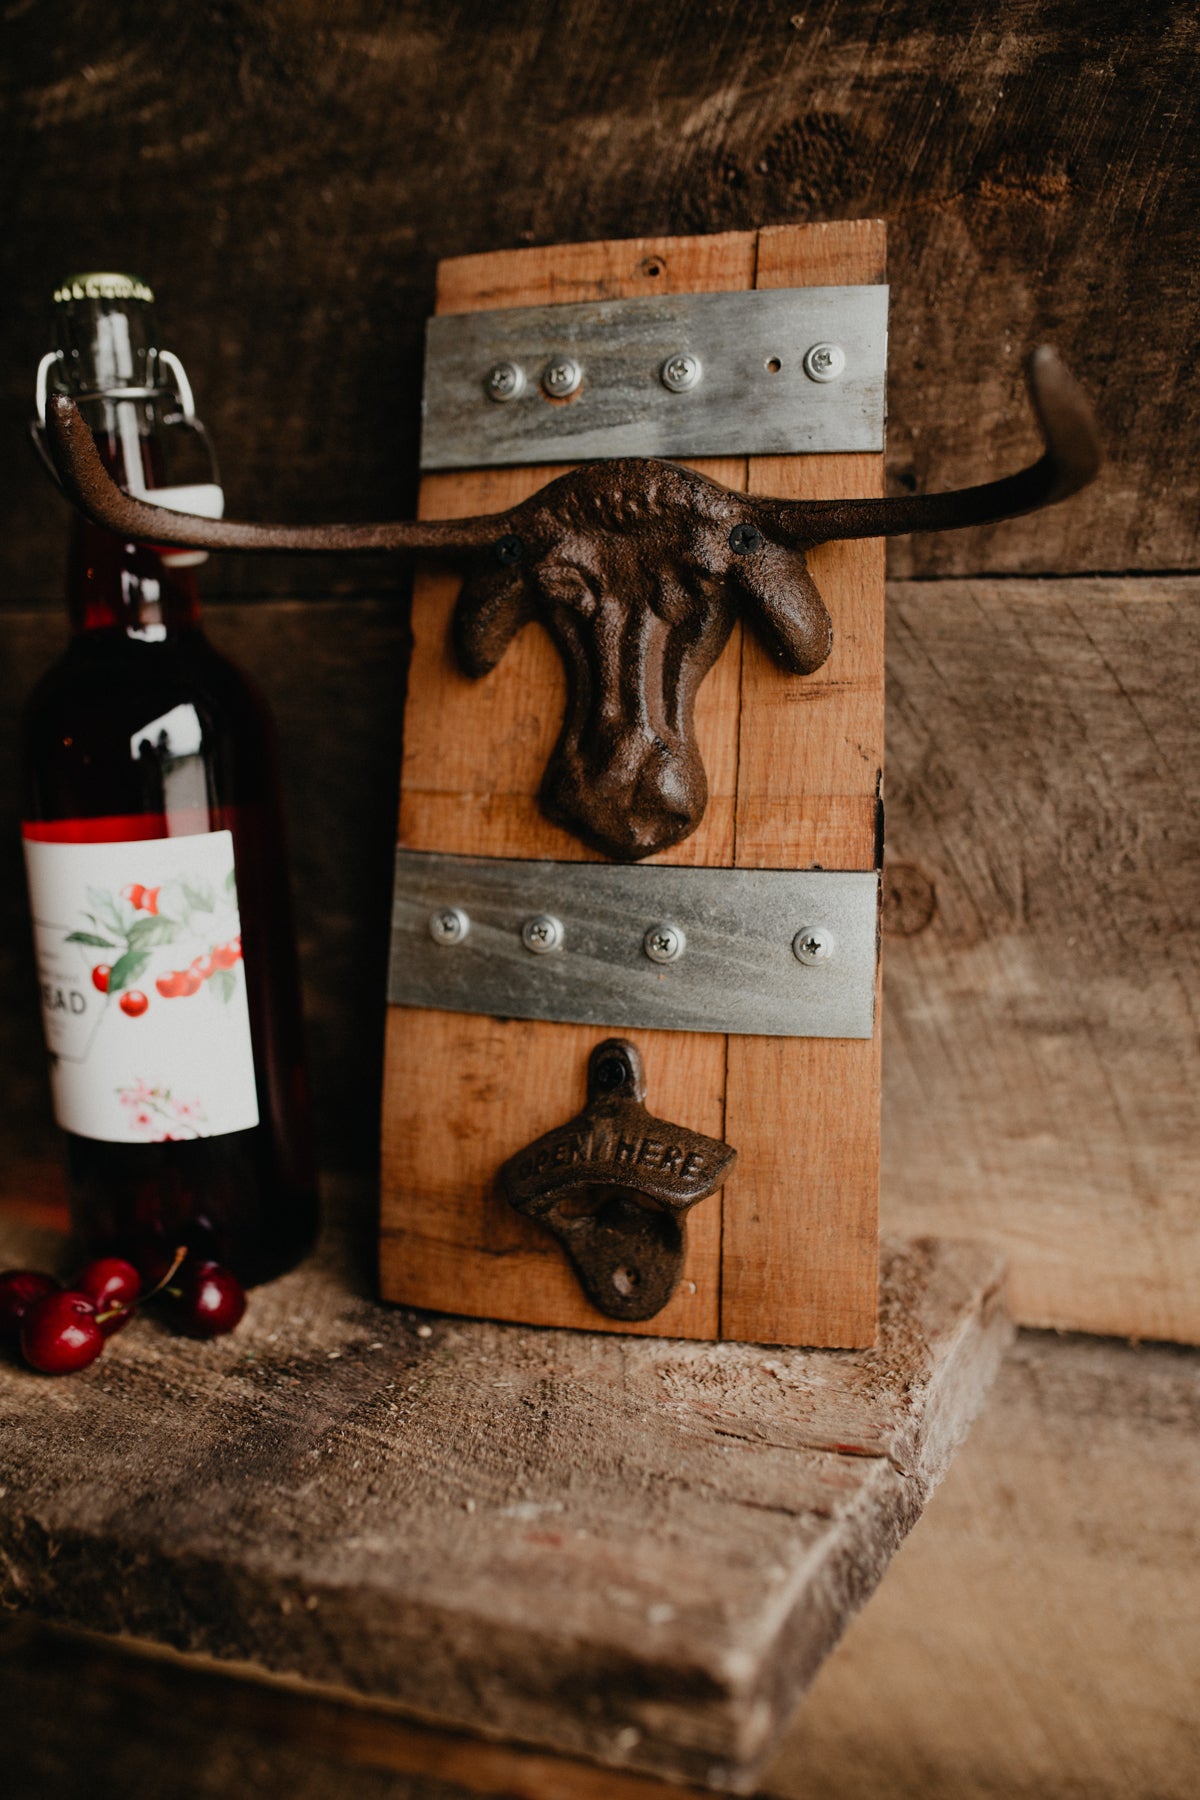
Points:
189	1728
1035	1636
1038	1636
1039	166
636	1550
1043	976
801	1214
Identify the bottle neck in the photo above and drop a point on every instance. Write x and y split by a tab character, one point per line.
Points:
144	591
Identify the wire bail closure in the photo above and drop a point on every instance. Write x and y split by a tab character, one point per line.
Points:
178	388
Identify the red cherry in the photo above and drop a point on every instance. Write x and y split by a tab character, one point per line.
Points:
202	966
235	944
19	1288
134	1003
212	1300
166	984
113	1286
110	1281
225	955
59	1334
100	975
189	983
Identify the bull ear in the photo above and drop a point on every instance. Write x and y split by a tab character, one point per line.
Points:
494	603
780	599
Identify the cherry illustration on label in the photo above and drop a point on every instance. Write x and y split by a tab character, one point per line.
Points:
142	899
139	921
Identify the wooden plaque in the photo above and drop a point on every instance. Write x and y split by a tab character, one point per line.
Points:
787	1252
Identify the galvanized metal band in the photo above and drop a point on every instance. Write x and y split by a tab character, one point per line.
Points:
676	375
737	971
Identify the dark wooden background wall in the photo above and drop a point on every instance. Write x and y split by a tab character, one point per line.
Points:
287	173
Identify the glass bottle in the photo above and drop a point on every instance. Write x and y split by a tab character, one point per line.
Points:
154	848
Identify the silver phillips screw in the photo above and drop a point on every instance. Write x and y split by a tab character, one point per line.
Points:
824	362
449	925
813	944
561	377
681	372
542	934
664	943
505	381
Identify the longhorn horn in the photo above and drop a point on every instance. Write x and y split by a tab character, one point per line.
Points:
1072	459
89	486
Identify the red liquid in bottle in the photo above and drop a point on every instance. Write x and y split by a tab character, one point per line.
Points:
107	763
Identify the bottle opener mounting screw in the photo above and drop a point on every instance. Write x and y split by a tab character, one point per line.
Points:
505	381
824	362
561	377
681	372
664	943
813	944
449	925
542	934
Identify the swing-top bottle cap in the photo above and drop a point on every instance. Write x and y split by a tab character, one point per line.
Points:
105	334
102	286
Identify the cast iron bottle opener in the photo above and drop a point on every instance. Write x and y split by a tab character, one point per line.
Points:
615	1186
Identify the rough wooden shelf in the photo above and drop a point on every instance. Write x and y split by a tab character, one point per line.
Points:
630	1549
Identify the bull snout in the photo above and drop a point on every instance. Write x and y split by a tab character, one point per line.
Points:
629	798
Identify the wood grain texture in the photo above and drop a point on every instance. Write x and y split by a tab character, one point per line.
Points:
1039	167
1036	1637
805	1111
490	1524
191	1728
1043	972
788	1253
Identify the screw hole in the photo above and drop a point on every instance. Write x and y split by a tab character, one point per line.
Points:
625	1281
773	365
652	268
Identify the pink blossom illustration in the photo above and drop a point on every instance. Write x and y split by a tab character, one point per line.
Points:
159	1114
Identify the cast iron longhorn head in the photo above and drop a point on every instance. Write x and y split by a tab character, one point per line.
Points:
637	569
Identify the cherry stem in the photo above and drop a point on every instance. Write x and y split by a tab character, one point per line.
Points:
158	1287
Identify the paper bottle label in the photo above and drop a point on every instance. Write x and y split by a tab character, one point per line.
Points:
143	989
